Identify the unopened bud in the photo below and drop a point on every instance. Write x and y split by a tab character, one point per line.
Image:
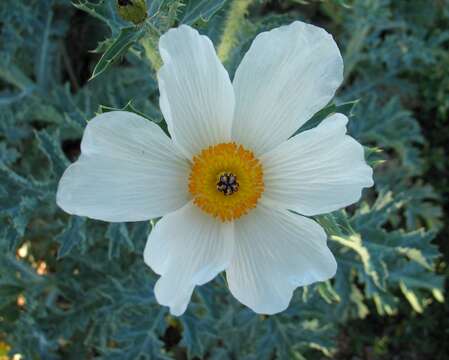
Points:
132	10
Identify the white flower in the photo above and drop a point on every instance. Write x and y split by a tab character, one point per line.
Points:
226	180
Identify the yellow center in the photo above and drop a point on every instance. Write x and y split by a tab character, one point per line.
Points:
226	181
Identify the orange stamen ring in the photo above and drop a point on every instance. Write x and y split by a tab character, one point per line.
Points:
216	170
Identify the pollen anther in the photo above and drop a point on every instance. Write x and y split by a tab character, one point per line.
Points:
226	181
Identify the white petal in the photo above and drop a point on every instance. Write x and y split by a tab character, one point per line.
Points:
197	98
187	247
275	252
129	170
287	75
317	171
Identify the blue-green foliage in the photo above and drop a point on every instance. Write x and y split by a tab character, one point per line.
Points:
96	299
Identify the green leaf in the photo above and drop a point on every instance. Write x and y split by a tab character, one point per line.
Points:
12	74
104	11
73	234
414	276
201	10
10	237
128	107
327	292
345	108
195	334
42	66
116	48
52	150
118	236
7	155
131	108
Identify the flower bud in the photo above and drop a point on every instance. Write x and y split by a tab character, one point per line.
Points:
132	10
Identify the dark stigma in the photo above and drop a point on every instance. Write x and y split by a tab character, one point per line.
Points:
227	184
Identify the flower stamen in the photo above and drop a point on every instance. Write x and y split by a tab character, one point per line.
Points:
226	181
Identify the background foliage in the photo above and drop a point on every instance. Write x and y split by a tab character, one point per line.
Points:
72	288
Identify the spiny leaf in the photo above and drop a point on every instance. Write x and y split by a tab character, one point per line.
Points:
73	234
128	107
131	108
116	48
118	236
52	149
345	108
104	11
201	10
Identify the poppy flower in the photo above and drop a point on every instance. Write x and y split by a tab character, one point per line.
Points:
234	188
